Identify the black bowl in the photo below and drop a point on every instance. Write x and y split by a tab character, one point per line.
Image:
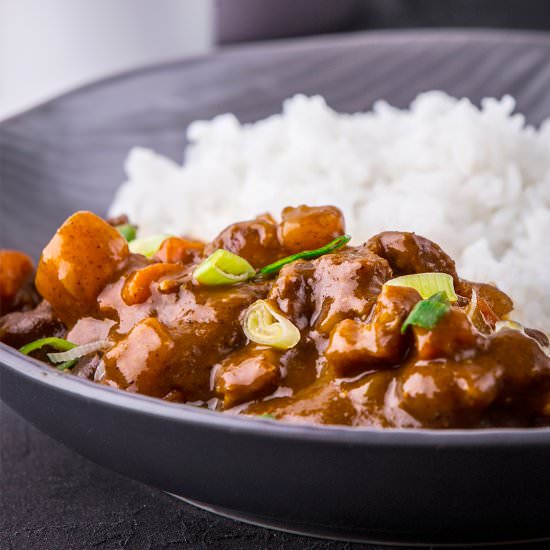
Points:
357	484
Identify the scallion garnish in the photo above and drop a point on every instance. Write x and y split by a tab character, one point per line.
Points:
427	284
427	313
60	344
78	351
305	255
223	268
263	324
68	353
66	365
127	230
147	246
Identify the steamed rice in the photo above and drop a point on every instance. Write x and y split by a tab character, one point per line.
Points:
477	181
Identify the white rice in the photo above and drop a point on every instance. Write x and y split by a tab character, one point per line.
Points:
477	181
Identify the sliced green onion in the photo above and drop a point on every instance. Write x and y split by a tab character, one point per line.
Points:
69	352
427	313
427	284
263	324
147	246
78	351
305	255
267	415
59	344
127	230
66	365
223	268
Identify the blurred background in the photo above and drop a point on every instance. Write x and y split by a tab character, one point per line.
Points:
106	37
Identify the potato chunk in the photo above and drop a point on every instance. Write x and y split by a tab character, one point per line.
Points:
83	256
310	227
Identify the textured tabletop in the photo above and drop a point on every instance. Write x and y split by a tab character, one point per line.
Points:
52	499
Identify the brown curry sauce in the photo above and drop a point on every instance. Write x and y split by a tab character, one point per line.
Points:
172	338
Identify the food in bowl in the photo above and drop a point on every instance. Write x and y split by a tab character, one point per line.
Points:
279	319
474	179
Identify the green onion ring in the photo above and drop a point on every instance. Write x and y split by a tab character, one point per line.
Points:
427	284
223	268
263	324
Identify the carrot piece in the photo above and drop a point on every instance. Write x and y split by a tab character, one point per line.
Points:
16	269
137	287
177	249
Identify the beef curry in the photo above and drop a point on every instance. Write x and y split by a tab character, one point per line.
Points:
283	320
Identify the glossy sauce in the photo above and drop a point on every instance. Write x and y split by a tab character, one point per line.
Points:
172	338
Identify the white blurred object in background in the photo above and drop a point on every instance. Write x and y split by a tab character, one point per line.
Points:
47	48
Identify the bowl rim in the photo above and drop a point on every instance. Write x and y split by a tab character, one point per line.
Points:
491	36
43	374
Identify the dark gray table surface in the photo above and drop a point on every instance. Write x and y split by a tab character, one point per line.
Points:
53	499
50	498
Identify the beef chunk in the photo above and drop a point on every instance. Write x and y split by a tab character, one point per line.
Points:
118	220
257	241
409	253
138	361
247	374
331	288
86	366
21	327
503	379
454	336
357	346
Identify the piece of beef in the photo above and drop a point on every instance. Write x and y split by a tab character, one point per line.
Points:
256	241
323	292
21	327
86	366
247	374
410	253
357	346
118	220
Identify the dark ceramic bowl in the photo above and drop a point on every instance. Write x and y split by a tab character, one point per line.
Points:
357	484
